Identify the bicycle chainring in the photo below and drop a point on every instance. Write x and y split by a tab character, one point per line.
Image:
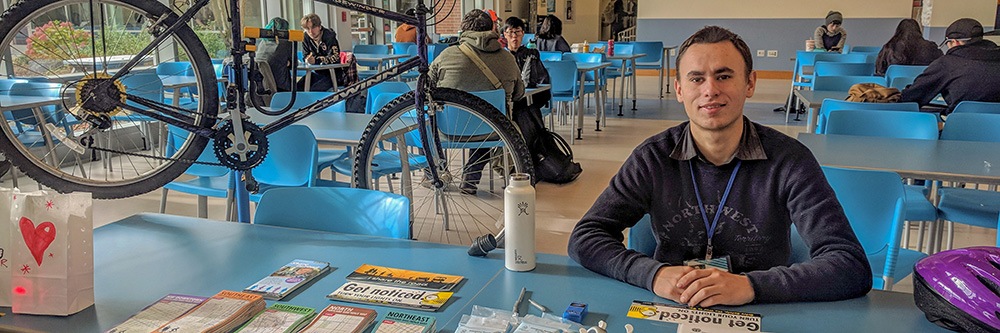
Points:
232	156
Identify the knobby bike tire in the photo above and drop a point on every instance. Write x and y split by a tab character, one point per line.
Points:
469	215
160	173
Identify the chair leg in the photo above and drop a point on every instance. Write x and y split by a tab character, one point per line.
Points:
163	201
661	82
230	203
203	206
951	235
906	235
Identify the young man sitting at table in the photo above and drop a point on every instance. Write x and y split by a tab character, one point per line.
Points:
764	181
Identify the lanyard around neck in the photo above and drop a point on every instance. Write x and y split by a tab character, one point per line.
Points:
718	209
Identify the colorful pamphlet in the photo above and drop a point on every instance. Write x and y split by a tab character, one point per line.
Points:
341	319
161	312
695	316
277	318
223	312
404	278
400	322
416	299
288	278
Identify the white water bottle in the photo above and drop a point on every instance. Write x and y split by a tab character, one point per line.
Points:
519	223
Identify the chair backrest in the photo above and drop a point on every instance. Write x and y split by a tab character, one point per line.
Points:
642	240
550	55
336	209
843	83
592	58
865	49
835	104
412	137
401	47
803	59
653	51
527	38
177	137
562	75
977	107
622	49
304	98
826	68
873	202
433	50
6	83
839	57
174	68
983	127
370	49
461	123
890	124
384	87
900	82
291	158
52	113
910	71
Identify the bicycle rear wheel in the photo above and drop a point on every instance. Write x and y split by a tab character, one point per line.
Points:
458	211
81	137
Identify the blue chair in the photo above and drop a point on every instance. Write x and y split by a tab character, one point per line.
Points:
590	81
178	68
384	87
6	83
897	71
550	55
846	58
977	107
883	123
652	60
900	82
826	68
401	47
642	240
209	180
291	162
344	210
835	104
843	83
874	204
865	49
800	79
562	75
526	39
968	205
614	71
326	156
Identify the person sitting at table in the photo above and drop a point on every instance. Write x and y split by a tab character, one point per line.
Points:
550	37
906	47
278	55
527	116
831	36
321	47
967	72
720	187
454	69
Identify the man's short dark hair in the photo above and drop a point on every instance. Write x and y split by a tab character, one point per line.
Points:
513	22
477	20
715	34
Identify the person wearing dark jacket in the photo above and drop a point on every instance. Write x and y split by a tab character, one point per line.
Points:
527	116
831	35
967	72
906	47
753	180
278	55
320	47
550	37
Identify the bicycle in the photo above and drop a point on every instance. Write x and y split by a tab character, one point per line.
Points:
120	123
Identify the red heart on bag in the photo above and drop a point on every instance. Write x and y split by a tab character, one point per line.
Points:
37	238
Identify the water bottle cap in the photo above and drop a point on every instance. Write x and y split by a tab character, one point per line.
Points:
520	177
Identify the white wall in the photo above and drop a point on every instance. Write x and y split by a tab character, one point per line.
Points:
944	12
703	9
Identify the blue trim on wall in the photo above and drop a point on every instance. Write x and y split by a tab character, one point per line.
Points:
784	35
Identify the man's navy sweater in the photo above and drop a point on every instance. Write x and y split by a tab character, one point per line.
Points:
786	186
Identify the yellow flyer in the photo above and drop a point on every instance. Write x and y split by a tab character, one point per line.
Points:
732	320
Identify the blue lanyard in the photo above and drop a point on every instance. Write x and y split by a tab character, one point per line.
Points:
718	209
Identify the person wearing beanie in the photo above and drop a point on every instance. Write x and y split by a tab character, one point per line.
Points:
831	36
966	72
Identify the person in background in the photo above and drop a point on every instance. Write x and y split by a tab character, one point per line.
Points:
755	181
453	69
527	116
278	55
831	36
406	32
906	47
321	47
967	72
550	35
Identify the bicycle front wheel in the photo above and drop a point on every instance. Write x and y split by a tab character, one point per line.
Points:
478	148
69	126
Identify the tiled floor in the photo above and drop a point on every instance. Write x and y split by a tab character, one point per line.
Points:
559	207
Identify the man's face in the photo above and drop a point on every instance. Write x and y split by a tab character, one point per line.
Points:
514	37
310	29
713	85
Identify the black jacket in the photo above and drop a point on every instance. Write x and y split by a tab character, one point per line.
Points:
969	72
328	49
914	52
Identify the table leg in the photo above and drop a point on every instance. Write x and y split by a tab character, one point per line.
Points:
309	74
621	92
600	96
667	73
579	110
333	78
634	74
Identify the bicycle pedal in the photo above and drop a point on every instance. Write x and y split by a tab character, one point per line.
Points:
60	134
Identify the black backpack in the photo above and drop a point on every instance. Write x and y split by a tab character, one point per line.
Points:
554	159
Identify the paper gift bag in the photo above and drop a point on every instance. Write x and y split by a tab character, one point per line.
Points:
52	253
7	200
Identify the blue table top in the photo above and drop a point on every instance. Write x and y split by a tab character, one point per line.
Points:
141	258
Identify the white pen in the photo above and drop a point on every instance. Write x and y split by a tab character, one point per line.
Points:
538	306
